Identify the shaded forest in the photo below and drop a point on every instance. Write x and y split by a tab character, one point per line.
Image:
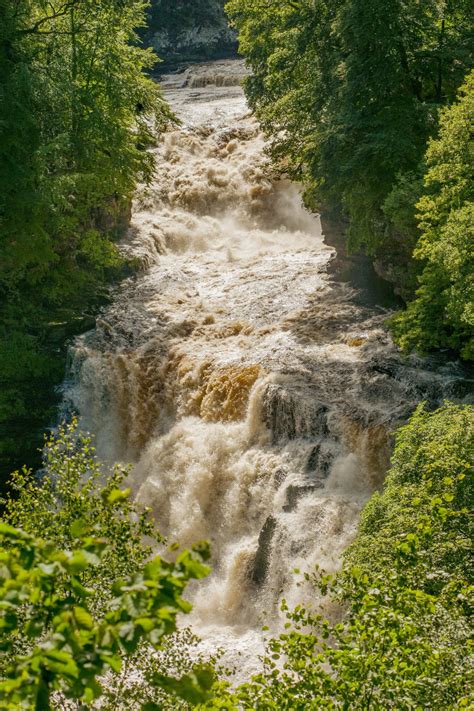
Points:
77	113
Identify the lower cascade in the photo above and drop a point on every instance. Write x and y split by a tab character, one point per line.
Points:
254	392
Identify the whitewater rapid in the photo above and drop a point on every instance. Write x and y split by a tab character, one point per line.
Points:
254	394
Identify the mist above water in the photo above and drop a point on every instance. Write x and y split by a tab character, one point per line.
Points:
253	393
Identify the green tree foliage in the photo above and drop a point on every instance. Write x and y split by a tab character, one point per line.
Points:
442	314
402	59
70	648
160	679
75	486
404	638
349	92
293	52
398	649
76	112
427	497
88	598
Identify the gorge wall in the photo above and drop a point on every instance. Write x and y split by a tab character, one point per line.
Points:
190	30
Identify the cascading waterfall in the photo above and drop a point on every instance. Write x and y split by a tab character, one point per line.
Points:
253	393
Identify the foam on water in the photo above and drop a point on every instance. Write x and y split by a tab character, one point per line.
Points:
254	395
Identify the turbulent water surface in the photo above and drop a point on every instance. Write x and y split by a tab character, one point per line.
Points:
253	392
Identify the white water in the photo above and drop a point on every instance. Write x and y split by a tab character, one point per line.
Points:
252	392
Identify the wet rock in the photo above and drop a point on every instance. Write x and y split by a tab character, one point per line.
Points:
462	390
191	31
262	556
290	416
295	493
279	477
320	460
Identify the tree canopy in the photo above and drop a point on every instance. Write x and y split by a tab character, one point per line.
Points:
76	113
442	314
349	94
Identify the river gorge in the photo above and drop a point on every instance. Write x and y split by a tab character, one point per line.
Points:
254	391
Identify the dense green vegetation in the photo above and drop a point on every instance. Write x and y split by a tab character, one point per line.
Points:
349	93
404	639
76	112
443	312
428	494
88	598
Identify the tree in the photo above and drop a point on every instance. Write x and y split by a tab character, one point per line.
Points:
442	314
348	94
89	597
294	53
426	500
42	590
77	112
74	486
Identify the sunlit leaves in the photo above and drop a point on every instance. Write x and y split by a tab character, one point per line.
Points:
442	314
89	598
348	93
70	647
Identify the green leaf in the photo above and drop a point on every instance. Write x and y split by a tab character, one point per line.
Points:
92	691
79	528
62	663
118	495
14	533
114	662
78	562
193	688
83	618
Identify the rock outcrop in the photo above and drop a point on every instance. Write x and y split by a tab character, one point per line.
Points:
190	30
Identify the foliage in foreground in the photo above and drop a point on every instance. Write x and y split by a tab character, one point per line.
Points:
87	598
405	640
42	588
74	486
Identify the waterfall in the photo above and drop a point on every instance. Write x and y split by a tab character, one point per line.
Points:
253	393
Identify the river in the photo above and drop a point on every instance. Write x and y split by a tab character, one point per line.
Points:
252	389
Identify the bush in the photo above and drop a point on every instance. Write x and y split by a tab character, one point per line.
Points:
426	502
88	598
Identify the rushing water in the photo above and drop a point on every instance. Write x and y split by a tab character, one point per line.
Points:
254	393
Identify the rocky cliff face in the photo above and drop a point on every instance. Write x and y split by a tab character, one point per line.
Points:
190	30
